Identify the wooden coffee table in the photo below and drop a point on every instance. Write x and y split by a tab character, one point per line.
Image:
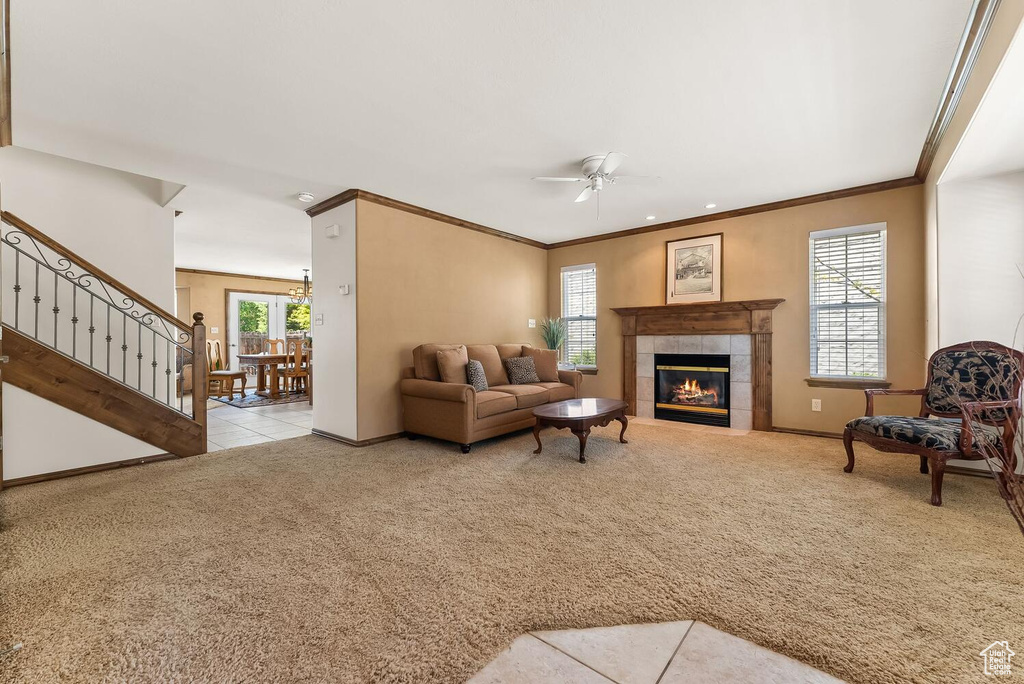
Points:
579	415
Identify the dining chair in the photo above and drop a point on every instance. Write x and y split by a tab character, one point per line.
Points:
294	373
218	374
274	346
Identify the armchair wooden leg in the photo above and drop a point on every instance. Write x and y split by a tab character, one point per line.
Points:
924	465
938	468
848	443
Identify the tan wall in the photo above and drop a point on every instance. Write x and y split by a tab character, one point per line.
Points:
765	256
1004	27
420	280
208	293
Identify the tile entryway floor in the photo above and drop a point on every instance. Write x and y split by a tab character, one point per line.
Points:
664	653
230	427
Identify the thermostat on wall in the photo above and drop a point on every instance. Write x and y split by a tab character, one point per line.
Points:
333	231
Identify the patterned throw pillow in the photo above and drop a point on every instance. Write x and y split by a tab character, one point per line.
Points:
476	377
521	370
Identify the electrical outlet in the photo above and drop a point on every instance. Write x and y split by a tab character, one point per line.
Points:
815	404
214	330
531	323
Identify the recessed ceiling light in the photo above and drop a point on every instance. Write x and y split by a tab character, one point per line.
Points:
305	197
651	217
710	205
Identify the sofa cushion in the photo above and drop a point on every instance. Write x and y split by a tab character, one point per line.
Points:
490	403
476	377
452	365
507	351
526	395
558	391
487	355
520	370
424	360
546	362
942	434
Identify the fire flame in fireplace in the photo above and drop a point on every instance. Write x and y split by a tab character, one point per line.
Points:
691	390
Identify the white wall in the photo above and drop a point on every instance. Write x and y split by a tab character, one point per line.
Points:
980	258
334	342
980	239
115	220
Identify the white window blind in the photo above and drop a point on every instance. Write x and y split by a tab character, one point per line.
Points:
847	270
579	310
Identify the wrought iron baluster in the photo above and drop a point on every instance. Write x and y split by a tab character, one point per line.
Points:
154	364
167	361
56	309
37	299
124	349
92	326
138	378
181	388
110	338
74	321
17	286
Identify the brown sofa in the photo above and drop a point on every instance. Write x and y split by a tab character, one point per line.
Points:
458	413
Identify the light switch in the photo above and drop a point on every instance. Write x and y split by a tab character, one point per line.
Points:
318	319
532	323
214	330
343	289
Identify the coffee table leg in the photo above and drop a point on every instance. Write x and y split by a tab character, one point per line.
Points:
536	436
622	419
582	434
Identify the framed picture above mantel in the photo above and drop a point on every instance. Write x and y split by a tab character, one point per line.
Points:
693	270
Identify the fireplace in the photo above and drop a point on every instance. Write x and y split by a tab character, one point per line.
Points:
692	388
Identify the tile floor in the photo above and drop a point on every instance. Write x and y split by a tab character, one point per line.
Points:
664	653
230	426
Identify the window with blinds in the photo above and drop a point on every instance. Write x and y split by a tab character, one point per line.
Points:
847	270
579	310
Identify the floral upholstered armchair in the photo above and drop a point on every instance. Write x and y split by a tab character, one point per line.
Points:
963	373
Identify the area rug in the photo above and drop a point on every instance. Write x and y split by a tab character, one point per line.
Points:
307	560
252	400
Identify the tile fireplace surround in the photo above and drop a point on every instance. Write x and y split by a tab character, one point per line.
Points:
741	329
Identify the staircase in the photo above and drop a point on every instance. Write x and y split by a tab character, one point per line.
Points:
78	337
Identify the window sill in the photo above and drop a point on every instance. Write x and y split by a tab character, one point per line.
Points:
847	383
587	371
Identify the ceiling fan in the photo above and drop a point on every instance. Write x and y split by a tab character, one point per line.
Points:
597	171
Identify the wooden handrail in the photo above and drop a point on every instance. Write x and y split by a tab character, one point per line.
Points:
40	237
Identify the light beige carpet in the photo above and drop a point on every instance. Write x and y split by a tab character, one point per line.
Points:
306	560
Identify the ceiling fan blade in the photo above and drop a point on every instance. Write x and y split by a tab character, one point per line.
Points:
635	179
552	179
585	195
611	162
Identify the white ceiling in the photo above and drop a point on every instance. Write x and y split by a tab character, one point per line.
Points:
454	104
994	141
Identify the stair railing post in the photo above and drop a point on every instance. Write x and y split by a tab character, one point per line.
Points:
200	383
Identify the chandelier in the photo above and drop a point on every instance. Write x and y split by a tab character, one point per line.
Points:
303	294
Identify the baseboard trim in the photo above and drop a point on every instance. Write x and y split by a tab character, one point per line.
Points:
808	433
85	470
357	442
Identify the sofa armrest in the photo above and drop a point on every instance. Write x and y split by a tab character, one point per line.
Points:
432	389
573	378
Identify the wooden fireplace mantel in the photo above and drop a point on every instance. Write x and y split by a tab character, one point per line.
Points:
750	317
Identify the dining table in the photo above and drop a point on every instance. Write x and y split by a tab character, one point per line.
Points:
265	361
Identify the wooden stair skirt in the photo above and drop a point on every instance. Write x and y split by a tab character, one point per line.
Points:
48	374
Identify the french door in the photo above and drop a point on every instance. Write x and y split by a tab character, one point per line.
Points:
254	318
